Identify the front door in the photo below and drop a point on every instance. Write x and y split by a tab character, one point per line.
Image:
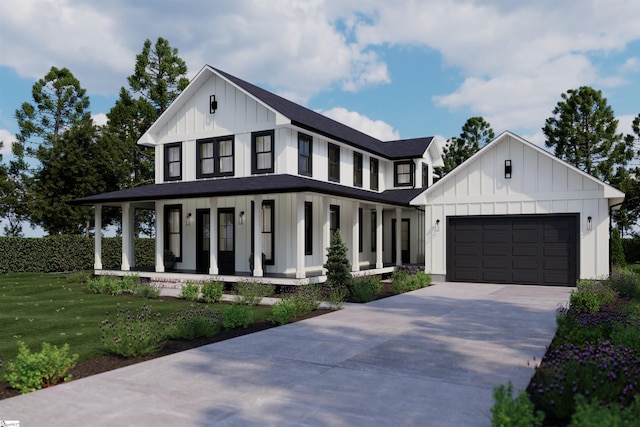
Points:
226	241
203	222
404	241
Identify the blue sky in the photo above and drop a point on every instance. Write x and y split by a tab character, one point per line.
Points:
398	69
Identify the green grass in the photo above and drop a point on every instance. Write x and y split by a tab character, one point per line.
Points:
57	309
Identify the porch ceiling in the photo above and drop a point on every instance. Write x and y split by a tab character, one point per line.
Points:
263	184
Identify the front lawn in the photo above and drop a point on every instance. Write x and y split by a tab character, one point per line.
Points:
57	308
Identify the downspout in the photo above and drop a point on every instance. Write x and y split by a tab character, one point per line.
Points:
610	230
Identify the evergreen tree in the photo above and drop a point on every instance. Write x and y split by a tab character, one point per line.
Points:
476	133
617	250
583	132
338	265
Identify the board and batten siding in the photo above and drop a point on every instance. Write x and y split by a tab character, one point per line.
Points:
539	185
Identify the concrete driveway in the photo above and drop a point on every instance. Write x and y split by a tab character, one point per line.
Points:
427	358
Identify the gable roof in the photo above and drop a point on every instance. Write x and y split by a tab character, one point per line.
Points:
614	195
301	117
263	184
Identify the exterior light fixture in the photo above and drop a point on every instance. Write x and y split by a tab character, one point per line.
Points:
213	104
507	169
589	223
189	218
241	217
437	225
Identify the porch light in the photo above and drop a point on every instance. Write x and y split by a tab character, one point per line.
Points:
213	104
507	169
437	225
589	224
189	218
241	217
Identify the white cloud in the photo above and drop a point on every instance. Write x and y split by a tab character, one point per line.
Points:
376	128
625	122
99	119
7	139
631	65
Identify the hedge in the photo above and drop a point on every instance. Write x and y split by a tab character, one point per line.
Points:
67	253
631	249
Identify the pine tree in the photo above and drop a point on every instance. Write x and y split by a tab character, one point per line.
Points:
476	133
338	265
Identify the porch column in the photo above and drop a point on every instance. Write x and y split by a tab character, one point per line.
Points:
97	264
355	238
127	237
159	237
213	235
398	236
300	272
257	241
379	262
326	231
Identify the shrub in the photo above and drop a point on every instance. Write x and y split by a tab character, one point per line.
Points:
146	291
593	414
107	285
212	291
190	292
193	322
237	315
420	280
590	296
402	281
624	282
617	250
365	289
627	335
133	333
32	371
251	293
283	312
509	411
597	370
580	327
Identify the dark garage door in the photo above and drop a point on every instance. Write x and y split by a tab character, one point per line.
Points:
524	249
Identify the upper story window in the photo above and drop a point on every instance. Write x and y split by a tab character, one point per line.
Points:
304	154
214	157
334	162
357	169
373	174
262	152
425	175
173	162
403	174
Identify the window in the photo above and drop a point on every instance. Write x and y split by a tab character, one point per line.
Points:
173	230
425	175
268	222
308	228
373	172
304	154
262	152
403	176
360	230
374	233
357	169
334	219
214	157
334	163
173	162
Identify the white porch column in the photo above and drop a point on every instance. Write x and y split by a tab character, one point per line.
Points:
127	237
97	263
257	234
213	235
159	237
300	271
398	236
379	262
355	238
326	231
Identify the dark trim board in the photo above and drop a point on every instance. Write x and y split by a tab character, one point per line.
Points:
519	249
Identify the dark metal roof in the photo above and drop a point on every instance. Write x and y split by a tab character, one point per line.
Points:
323	125
262	184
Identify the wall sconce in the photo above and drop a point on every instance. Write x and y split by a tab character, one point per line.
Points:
241	217
507	169
189	218
213	104
589	224
437	225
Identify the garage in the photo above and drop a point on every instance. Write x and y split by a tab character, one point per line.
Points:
521	249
